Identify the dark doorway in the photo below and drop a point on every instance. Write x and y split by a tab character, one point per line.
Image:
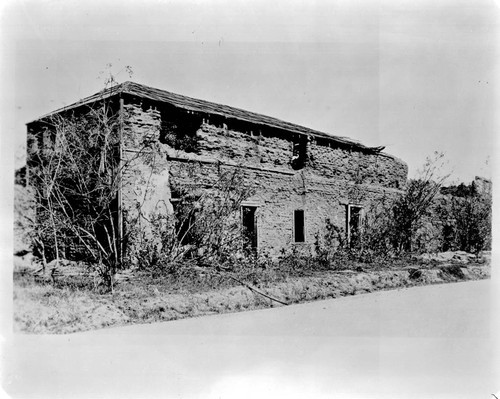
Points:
354	214
249	226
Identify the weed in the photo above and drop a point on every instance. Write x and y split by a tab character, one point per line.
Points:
453	270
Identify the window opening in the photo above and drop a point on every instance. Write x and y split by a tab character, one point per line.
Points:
299	152
298	221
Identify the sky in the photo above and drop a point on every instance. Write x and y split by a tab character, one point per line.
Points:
415	77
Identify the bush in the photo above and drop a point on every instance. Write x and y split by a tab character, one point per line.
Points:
453	270
330	246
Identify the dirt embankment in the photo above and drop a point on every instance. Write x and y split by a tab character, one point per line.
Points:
57	308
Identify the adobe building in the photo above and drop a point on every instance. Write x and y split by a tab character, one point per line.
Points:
302	178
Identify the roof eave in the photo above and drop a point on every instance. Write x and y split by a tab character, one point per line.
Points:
102	95
135	89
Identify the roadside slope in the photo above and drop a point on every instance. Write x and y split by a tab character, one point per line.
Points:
47	308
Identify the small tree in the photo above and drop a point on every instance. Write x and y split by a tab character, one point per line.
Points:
75	169
411	208
75	175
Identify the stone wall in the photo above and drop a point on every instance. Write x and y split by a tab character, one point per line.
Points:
332	178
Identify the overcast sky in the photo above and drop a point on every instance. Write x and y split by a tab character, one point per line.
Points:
415	77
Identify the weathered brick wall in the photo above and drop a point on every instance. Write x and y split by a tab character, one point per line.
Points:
333	177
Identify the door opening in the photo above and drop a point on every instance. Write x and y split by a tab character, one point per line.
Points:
354	215
249	223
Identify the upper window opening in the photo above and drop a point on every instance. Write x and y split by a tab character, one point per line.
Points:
299	153
179	131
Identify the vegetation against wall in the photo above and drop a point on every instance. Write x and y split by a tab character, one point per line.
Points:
205	227
426	217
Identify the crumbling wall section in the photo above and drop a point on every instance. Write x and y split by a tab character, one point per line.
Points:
266	149
357	166
145	177
249	148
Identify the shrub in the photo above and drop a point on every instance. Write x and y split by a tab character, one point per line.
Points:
453	270
331	249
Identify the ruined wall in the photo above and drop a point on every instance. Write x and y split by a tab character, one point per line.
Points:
145	179
355	166
260	149
248	148
332	178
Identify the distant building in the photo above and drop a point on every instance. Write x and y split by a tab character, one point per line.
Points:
482	185
302	177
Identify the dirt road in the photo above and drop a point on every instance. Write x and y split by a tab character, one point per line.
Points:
425	342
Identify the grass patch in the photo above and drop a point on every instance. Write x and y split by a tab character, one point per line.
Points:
74	304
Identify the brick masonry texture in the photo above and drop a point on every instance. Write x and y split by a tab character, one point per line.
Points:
333	176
